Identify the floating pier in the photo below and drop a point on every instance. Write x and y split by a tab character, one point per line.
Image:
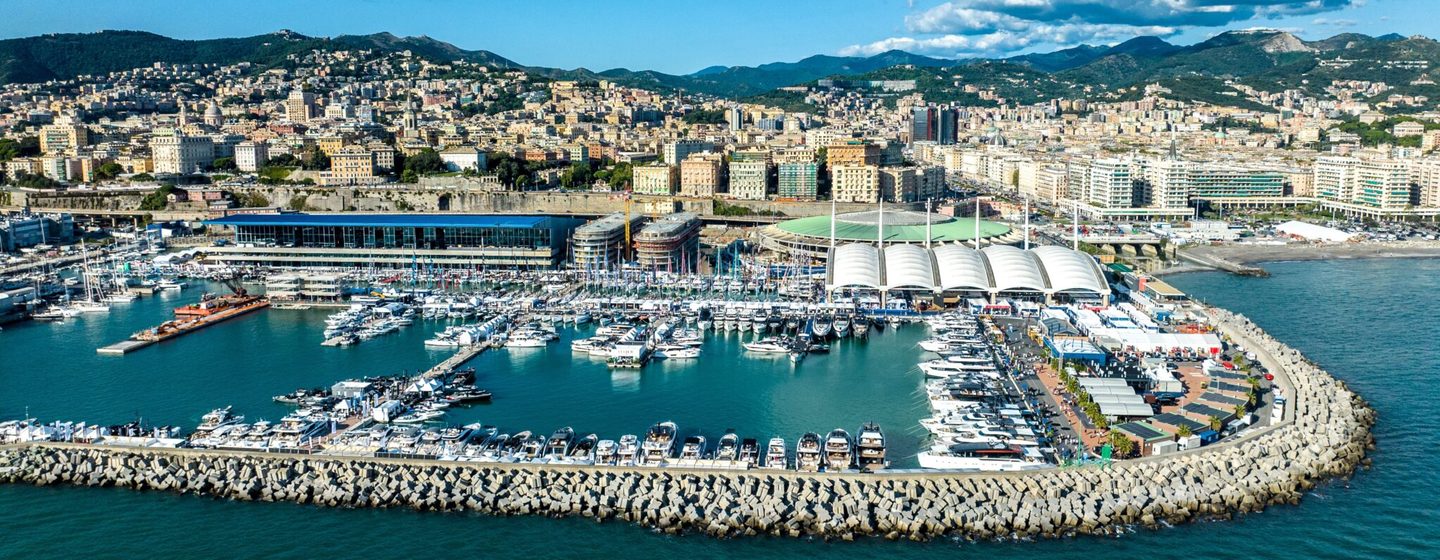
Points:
464	354
123	347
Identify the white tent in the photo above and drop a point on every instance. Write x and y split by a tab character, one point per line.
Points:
1313	232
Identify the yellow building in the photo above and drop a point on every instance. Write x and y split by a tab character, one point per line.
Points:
330	144
853	153
55	138
657	179
352	165
855	183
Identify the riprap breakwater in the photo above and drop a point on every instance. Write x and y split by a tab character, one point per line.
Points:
1327	438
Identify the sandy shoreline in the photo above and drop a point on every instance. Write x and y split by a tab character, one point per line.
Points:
1248	254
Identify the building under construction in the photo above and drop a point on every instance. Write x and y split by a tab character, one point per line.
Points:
670	243
600	244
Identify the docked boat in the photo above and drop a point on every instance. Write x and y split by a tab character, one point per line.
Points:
728	448
659	444
841	326
418	417
532	448
767	346
821	327
809	453
558	446
776	456
693	448
606	452
981	457
839	450
584	451
628	450
870	448
750	452
676	352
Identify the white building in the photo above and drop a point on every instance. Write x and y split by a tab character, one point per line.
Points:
251	156
461	158
181	155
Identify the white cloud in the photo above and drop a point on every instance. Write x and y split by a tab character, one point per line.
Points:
1331	22
999	27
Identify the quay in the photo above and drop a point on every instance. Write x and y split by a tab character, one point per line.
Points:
1326	436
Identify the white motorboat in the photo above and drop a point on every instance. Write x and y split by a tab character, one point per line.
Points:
981	457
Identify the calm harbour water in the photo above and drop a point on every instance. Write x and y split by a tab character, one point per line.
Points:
1370	322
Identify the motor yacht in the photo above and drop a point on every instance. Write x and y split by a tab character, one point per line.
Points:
870	448
839	450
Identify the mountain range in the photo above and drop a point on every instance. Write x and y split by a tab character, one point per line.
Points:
1255	57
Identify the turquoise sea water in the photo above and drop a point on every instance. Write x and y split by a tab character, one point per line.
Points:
1372	323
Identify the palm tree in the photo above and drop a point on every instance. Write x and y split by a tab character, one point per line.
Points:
1215	423
1184	431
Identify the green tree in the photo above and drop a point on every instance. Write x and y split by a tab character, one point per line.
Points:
141	177
224	164
578	175
1184	432
1215	423
705	116
1123	446
427	162
11	148
109	170
315	160
158	198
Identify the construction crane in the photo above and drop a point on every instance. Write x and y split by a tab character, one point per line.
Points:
233	282
626	255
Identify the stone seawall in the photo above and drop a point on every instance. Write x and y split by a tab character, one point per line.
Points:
1325	435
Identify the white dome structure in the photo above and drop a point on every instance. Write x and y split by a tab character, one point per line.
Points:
997	270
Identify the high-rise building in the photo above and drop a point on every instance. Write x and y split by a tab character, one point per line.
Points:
947	129
61	137
299	106
923	121
1382	184
179	154
934	124
798	180
855	183
1110	184
1425	175
1335	178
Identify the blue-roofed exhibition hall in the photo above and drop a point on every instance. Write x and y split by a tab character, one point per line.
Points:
461	240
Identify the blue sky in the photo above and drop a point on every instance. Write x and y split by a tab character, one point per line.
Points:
681	36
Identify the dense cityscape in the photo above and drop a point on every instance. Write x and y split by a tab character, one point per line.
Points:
989	295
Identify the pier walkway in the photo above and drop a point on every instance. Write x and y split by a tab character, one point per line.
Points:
465	354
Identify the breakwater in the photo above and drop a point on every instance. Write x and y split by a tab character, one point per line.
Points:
1326	435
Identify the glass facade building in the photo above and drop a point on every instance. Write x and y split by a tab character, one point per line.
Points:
359	239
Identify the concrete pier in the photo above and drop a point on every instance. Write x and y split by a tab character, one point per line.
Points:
123	347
